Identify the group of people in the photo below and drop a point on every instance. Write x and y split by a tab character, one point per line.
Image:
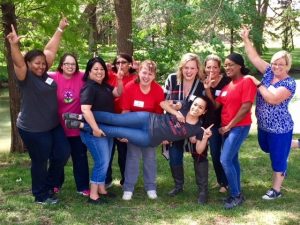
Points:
200	107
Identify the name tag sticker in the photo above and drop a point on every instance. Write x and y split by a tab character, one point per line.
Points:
272	89
218	92
224	93
49	81
137	103
192	97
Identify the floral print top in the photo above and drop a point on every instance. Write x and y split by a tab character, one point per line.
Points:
275	118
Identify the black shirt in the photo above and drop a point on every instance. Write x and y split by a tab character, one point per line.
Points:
100	96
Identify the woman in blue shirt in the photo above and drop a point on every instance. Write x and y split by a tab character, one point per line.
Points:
275	124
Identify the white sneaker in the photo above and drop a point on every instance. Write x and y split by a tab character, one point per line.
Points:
152	194
127	195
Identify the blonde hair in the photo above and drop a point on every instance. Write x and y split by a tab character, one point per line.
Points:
186	58
213	57
284	55
149	64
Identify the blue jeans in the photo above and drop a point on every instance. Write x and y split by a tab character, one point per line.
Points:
215	145
133	126
134	154
100	148
232	142
176	151
43	147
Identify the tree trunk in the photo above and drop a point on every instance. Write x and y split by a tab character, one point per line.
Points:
259	24
90	12
124	26
8	18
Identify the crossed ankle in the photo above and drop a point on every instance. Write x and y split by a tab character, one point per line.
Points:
72	116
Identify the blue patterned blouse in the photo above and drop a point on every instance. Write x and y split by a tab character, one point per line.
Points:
275	118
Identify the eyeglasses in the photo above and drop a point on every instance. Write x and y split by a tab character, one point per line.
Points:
278	65
229	65
69	64
121	62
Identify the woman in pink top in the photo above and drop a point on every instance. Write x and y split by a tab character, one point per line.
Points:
69	82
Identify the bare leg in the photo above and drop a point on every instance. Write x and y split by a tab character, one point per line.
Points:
278	178
295	143
94	191
101	189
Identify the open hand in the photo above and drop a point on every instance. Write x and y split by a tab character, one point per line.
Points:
254	80
124	140
193	139
224	130
98	133
180	117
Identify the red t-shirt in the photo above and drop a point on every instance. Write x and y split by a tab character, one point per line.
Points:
233	96
112	80
135	100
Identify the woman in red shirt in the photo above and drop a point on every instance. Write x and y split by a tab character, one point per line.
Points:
142	94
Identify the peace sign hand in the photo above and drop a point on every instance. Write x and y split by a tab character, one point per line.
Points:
63	23
12	37
208	82
244	34
120	73
207	132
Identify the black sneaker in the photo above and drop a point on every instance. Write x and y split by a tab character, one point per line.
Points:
48	201
72	124
72	116
232	202
271	194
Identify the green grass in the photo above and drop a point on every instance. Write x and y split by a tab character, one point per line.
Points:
17	207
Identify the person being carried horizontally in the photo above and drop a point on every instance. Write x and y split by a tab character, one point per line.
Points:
150	129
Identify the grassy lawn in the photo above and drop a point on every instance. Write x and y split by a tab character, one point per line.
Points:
17	207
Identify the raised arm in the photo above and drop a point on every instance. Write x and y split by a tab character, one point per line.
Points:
251	52
51	48
119	88
201	145
17	57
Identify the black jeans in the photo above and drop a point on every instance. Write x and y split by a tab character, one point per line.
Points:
122	152
43	146
80	163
